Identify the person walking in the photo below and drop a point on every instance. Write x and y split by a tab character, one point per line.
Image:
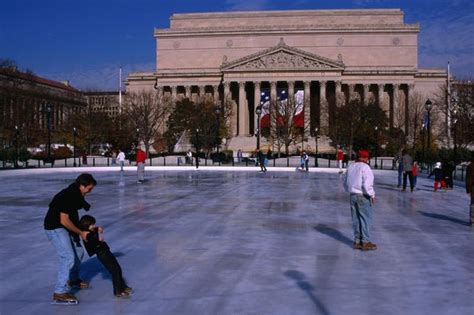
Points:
61	225
261	161
407	161
359	182
470	187
121	159
141	158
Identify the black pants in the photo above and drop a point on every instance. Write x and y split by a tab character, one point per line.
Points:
111	264
410	176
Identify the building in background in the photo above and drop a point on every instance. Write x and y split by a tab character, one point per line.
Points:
324	56
104	102
27	100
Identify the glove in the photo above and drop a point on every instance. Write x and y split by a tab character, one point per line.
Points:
86	206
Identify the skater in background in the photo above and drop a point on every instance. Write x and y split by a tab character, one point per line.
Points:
61	226
95	245
121	159
414	171
448	170
261	161
398	159
340	159
438	176
141	158
407	161
470	187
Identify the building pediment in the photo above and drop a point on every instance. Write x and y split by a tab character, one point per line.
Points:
282	58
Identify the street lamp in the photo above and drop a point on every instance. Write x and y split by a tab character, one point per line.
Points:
138	137
74	134
423	126
258	111
197	148
376	146
49	109
316	164
428	107
17	133
217	110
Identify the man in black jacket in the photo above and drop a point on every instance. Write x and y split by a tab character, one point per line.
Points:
61	225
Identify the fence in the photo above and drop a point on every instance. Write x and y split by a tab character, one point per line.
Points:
382	163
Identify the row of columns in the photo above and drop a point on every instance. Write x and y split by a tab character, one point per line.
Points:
242	114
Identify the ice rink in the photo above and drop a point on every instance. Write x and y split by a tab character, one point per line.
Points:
237	241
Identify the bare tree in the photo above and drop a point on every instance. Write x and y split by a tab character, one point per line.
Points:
284	128
147	112
416	111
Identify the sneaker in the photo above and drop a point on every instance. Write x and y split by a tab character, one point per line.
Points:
64	297
128	290
78	284
356	245
122	294
368	246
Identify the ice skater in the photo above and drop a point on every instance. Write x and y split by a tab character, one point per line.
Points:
439	177
61	225
359	182
95	245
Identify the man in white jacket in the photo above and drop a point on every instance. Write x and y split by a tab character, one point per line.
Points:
359	182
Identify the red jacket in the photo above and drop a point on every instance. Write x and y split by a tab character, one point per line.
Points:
141	156
340	155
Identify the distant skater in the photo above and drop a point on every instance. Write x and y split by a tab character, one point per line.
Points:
95	245
438	177
261	161
359	182
121	159
141	158
470	187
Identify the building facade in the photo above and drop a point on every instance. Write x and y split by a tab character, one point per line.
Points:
108	102
28	102
325	56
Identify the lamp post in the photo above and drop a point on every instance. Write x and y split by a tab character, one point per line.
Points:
49	109
376	146
17	133
217	110
74	134
197	148
258	111
428	107
316	164
423	126
138	137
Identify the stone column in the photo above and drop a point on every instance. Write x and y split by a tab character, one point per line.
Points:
273	101
339	96
233	116
397	110
174	93
202	91
351	92
187	90
257	97
410	88
324	109
307	107
366	94
380	96
215	90
243	111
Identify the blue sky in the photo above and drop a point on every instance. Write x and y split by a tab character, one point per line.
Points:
85	41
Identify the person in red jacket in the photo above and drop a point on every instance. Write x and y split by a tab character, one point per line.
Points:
141	158
339	158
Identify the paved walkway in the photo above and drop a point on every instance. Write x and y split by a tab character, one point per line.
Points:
242	242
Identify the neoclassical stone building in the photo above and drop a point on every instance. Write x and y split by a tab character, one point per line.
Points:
328	55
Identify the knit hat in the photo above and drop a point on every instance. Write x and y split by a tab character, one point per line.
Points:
363	154
438	165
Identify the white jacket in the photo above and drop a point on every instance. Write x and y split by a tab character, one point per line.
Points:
121	157
359	179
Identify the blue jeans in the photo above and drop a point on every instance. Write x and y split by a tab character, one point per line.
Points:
362	214
69	258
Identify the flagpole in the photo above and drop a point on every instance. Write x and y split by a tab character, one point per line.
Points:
120	90
448	105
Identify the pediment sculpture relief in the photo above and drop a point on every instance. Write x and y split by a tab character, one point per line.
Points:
282	60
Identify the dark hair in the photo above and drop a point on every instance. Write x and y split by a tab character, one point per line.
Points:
85	222
85	179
